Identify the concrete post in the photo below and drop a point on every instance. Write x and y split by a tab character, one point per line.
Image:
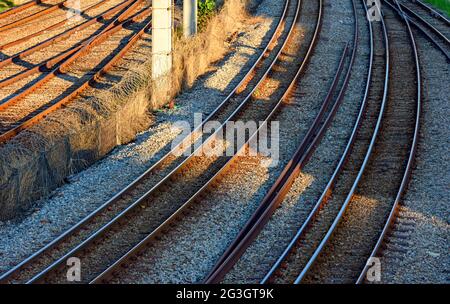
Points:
161	38
189	17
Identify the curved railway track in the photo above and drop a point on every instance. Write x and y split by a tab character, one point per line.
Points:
137	227
297	254
326	240
432	11
139	250
357	209
48	10
440	26
129	201
427	12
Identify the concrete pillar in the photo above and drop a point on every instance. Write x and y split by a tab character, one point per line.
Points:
189	17
161	38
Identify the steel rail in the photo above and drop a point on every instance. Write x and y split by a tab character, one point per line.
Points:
339	167
70	56
33	120
408	170
19	8
53	244
433	11
411	12
60	36
93	237
309	53
364	164
34	16
422	30
259	218
51	27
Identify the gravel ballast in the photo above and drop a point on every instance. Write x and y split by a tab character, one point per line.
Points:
188	252
89	189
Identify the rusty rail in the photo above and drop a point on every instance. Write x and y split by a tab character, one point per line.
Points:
60	70
59	37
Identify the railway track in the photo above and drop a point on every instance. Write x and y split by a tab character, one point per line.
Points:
368	209
130	200
44	55
65	76
434	12
428	13
122	270
300	249
187	183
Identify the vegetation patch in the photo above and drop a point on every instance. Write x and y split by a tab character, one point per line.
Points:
444	5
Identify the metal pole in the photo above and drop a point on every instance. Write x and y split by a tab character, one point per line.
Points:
189	17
